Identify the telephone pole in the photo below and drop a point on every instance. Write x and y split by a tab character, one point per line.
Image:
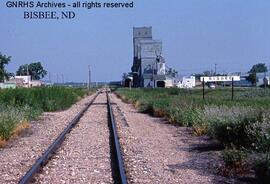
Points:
62	78
27	69
89	77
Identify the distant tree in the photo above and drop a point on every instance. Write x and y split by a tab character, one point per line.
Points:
4	60
124	76
36	70
258	68
11	74
203	74
197	76
207	73
252	78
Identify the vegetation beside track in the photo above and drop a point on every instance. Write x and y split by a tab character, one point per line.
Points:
19	106
241	125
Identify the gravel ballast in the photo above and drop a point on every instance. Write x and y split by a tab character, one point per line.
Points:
153	150
19	155
84	156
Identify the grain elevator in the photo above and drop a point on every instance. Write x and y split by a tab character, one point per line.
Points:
148	69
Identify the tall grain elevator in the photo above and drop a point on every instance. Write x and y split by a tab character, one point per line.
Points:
148	67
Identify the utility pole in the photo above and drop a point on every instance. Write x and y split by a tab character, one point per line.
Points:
62	78
215	73
89	77
153	85
27	70
232	88
57	78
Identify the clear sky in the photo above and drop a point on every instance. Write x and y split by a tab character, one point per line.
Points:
196	34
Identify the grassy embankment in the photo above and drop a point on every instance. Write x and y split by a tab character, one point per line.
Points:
19	106
242	125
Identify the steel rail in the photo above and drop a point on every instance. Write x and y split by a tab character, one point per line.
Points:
119	159
54	146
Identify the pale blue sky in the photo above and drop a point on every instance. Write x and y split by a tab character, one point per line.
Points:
196	34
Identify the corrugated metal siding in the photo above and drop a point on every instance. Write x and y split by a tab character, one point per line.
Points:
150	49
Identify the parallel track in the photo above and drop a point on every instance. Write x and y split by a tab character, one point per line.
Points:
116	150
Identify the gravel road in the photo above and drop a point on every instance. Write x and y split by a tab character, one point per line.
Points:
18	156
84	156
157	152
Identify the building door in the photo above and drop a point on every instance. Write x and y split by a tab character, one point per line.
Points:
161	84
127	83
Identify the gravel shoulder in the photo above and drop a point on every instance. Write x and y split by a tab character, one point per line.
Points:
84	157
157	152
18	156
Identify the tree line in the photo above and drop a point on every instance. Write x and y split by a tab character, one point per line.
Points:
35	69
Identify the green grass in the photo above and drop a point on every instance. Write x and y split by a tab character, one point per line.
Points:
46	99
231	122
241	124
21	105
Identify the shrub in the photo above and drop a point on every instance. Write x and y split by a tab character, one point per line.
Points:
260	133
7	125
21	105
146	108
233	126
233	157
9	118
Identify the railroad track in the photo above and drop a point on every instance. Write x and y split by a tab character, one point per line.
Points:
117	164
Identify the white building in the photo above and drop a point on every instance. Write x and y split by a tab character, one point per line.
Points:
187	82
35	83
26	80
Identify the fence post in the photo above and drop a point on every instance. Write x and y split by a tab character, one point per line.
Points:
264	80
203	88
232	88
